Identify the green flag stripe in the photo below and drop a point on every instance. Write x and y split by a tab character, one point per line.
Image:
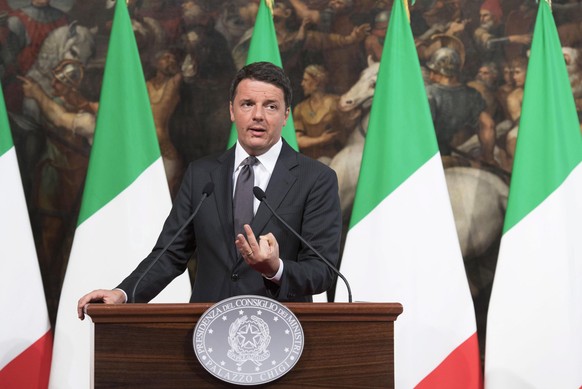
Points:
125	142
400	136
264	47
549	144
5	134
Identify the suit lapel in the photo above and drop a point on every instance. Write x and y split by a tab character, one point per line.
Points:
222	178
280	183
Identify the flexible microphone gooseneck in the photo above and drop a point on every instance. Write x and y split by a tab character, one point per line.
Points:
260	195
206	192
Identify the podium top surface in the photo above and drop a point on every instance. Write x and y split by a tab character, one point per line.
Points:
160	313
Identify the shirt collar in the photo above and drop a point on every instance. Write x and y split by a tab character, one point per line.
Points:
268	159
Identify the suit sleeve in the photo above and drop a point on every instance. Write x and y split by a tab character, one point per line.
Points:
320	225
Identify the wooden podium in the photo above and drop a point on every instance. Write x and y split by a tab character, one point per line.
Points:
151	346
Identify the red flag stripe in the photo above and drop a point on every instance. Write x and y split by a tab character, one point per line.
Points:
460	370
31	368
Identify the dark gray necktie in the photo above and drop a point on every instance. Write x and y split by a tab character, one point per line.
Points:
243	195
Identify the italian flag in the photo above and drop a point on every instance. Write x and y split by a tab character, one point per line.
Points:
26	339
534	325
125	202
402	244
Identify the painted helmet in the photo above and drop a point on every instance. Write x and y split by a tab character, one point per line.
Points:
69	72
445	61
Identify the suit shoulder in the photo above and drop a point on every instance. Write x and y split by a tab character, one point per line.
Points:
314	165
209	161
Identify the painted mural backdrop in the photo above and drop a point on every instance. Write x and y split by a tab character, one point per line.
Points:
474	55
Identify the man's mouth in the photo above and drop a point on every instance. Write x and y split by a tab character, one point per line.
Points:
257	130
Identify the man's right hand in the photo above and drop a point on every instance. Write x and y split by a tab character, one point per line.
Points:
30	88
115	296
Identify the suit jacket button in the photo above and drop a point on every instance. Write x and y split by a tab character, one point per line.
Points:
234	277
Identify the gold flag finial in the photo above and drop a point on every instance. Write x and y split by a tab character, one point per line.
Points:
407	9
270	4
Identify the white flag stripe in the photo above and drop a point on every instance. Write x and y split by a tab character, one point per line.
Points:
106	248
22	298
128	227
539	284
416	260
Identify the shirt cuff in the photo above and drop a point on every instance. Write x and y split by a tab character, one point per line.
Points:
277	277
125	294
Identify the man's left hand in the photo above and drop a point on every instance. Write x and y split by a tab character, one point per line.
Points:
261	255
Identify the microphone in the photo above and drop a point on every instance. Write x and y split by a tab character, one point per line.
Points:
260	195
206	192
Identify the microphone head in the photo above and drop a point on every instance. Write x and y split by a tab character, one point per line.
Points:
259	193
208	188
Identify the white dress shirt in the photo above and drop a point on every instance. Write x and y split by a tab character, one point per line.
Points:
263	171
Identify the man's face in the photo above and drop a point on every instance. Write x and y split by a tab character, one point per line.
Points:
191	40
486	18
518	74
191	11
259	114
167	64
59	89
486	76
434	77
309	84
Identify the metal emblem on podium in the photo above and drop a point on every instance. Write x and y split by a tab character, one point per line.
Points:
248	340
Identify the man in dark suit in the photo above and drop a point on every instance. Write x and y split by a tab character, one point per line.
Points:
263	257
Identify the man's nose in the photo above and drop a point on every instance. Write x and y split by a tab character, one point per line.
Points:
258	113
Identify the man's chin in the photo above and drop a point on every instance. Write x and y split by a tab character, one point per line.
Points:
258	145
488	26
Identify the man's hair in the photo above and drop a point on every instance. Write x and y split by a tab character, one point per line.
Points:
264	72
519	62
492	66
319	73
177	53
